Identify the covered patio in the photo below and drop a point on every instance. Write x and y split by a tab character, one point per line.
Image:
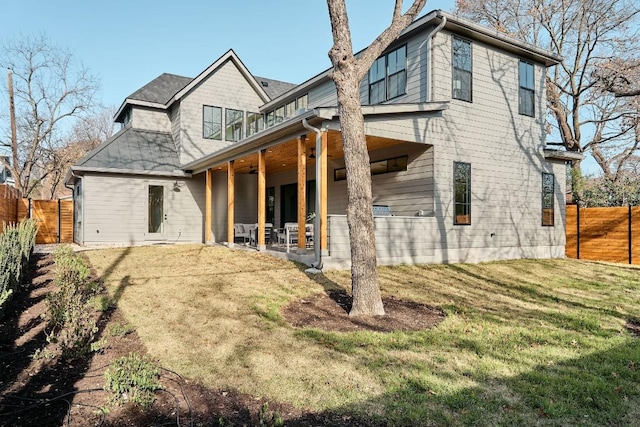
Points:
282	176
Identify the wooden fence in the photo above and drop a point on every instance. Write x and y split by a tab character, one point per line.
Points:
55	217
8	205
604	234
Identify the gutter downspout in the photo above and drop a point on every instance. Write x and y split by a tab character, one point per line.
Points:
73	197
430	58
317	265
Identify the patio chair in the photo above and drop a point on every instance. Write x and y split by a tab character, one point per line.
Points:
289	234
240	231
253	234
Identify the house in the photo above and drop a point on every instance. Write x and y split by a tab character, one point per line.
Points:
455	124
5	173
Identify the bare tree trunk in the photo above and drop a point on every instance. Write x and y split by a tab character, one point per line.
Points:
348	72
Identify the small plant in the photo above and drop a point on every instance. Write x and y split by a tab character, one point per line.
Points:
133	378
120	329
269	418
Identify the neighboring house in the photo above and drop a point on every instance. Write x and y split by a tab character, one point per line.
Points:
5	174
455	124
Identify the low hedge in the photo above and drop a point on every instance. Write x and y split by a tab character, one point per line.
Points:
17	242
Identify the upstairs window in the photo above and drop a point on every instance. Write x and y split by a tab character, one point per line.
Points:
212	122
255	123
302	103
548	183
290	109
462	69
234	125
388	76
527	89
462	193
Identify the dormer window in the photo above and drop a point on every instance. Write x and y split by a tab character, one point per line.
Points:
388	76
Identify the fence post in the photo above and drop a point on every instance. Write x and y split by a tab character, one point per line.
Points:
630	246
578	230
59	222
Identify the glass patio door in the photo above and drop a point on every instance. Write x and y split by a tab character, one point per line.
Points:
155	214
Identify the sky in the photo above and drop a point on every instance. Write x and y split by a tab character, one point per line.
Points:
126	44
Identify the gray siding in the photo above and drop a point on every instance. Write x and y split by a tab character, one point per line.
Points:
226	88
150	119
115	209
176	132
246	203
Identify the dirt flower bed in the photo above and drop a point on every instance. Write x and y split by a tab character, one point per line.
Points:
55	392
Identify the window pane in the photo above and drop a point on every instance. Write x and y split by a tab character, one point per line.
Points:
377	71
462	85
462	193
233	130
525	102
271	118
155	209
548	182
303	102
396	60
526	75
280	114
376	92
255	123
290	110
397	84
212	122
461	54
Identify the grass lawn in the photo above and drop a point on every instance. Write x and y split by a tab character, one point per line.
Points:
525	342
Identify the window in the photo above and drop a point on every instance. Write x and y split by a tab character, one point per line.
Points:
395	164
388	76
527	89
271	118
279	114
548	181
290	109
462	69
234	125
255	123
212	122
462	193
303	102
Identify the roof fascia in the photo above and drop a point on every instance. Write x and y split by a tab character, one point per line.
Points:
178	173
562	155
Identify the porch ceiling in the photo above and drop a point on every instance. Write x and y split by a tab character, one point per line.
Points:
283	157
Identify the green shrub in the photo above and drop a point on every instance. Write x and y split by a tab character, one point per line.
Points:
133	379
71	315
16	246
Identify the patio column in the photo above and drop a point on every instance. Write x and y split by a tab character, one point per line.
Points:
262	211
231	202
207	208
323	194
302	191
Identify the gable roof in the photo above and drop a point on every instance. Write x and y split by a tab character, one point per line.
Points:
133	151
274	88
167	88
161	89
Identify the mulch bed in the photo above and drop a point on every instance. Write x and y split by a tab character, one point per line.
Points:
60	392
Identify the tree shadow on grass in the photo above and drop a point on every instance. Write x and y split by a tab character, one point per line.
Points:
599	389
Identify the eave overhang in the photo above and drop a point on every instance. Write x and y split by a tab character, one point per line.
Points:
567	156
